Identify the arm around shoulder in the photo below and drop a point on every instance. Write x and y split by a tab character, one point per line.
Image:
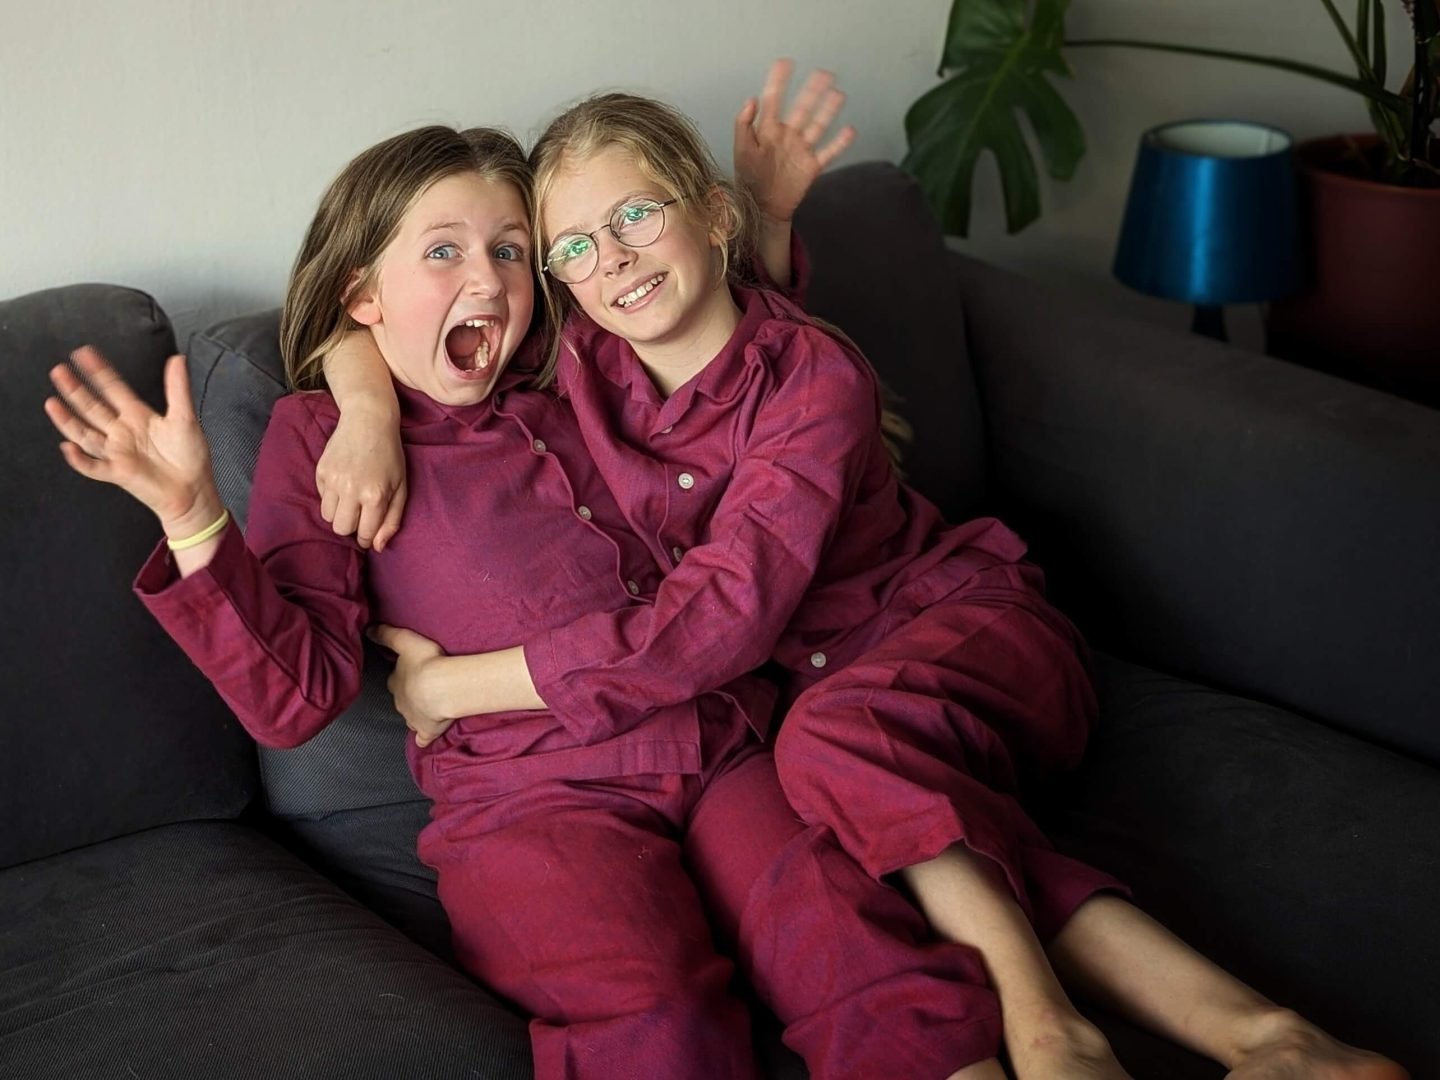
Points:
360	476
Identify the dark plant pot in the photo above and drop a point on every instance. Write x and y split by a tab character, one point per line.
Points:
1372	310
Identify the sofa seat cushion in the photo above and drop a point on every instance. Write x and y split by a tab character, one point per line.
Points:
205	949
370	853
1303	860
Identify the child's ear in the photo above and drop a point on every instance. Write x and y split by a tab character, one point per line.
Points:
362	299
724	215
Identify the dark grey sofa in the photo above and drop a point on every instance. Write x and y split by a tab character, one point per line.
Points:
1251	547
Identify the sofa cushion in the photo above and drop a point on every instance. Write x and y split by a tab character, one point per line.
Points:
370	853
108	729
236	375
882	274
1303	860
205	950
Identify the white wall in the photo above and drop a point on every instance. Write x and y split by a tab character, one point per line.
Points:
180	146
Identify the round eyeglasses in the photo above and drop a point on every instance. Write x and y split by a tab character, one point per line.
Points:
573	257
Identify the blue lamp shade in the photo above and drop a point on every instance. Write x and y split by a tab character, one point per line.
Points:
1211	218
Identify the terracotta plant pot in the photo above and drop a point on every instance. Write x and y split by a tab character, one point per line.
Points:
1372	311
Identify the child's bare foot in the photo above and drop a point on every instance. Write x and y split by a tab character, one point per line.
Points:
1284	1046
1062	1047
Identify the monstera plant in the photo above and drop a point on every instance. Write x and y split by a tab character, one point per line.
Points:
1000	60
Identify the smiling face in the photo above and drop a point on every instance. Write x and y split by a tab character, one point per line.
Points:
669	298
454	289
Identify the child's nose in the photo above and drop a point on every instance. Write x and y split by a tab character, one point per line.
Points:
485	279
613	254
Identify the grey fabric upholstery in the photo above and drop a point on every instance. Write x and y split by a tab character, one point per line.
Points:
107	729
882	274
1298	857
236	375
370	853
204	950
1218	513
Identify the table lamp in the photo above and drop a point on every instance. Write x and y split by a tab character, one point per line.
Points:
1211	218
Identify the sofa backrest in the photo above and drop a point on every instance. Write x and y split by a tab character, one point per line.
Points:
882	274
107	728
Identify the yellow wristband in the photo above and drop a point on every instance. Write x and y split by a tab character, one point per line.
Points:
203	535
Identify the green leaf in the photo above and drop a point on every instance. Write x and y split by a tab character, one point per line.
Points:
1377	52
1365	87
1362	61
999	66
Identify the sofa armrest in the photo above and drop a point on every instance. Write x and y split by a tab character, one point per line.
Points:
1217	512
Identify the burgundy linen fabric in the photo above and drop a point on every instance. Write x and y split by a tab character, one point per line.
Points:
509	527
766	487
584	900
937	731
497	509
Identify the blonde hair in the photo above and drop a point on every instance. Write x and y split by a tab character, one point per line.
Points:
670	151
359	215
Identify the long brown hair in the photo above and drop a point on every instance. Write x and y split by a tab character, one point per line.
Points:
669	150
359	215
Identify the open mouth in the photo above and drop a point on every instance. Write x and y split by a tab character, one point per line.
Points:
638	295
473	345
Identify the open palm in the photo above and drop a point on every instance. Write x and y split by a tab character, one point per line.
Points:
778	157
115	437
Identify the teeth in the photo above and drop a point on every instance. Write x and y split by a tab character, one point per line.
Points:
477	323
482	357
635	294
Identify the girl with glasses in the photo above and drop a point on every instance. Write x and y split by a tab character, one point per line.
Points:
929	679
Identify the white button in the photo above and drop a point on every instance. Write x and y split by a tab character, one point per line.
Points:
666	431
584	512
677	553
539	445
817	659
685	480
634	589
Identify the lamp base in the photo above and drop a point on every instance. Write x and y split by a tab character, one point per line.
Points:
1209	322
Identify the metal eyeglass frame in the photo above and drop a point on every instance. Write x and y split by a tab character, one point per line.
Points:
614	231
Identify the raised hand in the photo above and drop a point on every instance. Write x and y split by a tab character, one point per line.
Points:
778	157
113	436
